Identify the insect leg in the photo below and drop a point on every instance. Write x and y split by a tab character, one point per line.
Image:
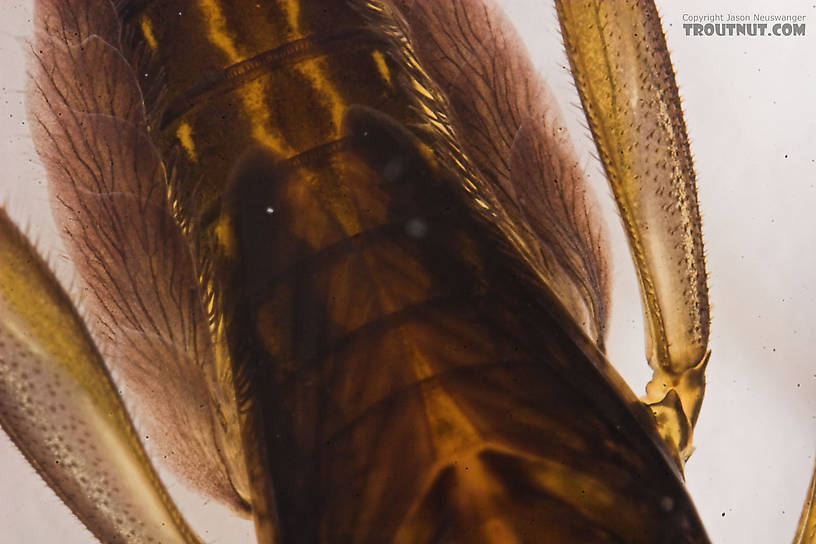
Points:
624	75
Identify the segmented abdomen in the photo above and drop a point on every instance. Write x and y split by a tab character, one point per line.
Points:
396	329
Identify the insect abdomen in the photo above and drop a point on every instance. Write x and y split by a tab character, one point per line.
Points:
413	387
403	375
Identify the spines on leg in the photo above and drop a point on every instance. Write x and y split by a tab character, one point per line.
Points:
625	77
60	407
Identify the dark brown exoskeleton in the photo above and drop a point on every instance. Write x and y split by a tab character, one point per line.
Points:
345	262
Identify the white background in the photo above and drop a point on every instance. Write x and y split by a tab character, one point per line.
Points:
750	107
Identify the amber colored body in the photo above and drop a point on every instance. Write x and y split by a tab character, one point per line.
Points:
401	378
